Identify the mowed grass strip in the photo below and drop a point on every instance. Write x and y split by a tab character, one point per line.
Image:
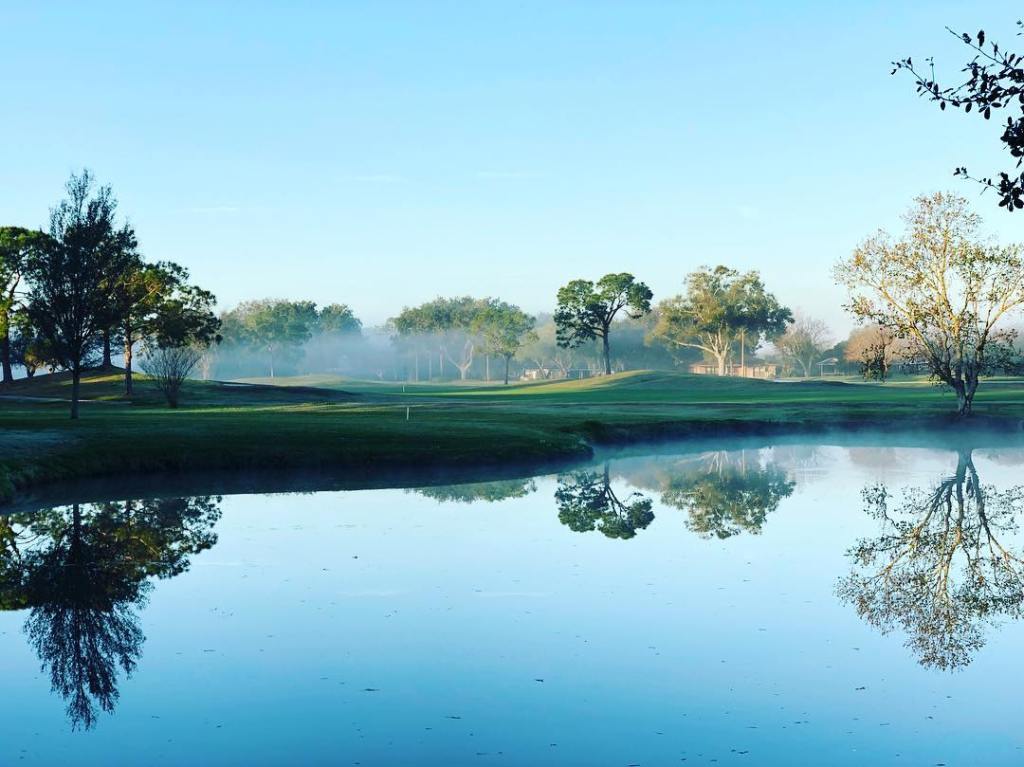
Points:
365	427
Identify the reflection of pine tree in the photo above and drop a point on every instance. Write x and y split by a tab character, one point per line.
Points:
729	493
82	572
940	571
586	501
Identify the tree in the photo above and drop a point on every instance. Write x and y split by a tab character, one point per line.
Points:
586	310
803	342
451	324
875	349
16	244
277	328
544	351
338	320
586	501
720	308
139	292
505	329
941	569
181	330
995	81
942	289
70	301
28	348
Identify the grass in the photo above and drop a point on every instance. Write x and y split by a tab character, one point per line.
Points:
367	429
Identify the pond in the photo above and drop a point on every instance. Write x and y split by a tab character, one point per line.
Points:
829	602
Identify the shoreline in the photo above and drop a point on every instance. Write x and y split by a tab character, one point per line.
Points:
52	480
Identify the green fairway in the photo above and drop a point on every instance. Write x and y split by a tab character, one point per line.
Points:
367	429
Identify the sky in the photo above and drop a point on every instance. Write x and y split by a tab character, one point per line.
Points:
380	154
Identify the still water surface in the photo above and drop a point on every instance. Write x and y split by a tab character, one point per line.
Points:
796	604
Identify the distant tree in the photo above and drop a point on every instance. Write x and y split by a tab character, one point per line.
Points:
720	308
16	244
586	501
181	329
995	81
803	342
543	351
940	288
587	310
274	327
505	329
28	348
71	301
452	324
338	320
874	349
139	293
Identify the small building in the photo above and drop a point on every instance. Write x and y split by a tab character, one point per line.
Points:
829	367
761	370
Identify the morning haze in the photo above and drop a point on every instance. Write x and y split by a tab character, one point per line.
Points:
526	384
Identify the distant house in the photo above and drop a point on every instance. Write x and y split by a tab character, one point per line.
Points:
546	374
828	367
762	370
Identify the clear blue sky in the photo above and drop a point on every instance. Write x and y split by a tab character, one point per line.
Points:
382	153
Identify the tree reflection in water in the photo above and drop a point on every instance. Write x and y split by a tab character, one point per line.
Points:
586	501
471	492
82	572
727	493
943	570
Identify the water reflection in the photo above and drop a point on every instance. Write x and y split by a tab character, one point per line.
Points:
83	572
943	570
586	501
490	492
727	493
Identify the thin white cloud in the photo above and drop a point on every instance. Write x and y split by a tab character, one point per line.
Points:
507	174
205	209
376	178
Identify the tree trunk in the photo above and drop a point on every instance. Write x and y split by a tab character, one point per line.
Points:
487	369
76	386
721	363
607	354
108	361
128	367
416	366
5	356
507	361
964	397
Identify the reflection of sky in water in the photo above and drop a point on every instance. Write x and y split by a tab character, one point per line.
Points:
384	627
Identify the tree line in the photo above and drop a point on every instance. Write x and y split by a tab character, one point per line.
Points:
75	288
937	299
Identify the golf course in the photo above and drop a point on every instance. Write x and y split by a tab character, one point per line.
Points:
365	434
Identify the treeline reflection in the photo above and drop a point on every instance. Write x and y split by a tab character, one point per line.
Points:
945	569
83	572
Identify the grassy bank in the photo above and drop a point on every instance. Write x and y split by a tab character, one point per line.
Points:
358	429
